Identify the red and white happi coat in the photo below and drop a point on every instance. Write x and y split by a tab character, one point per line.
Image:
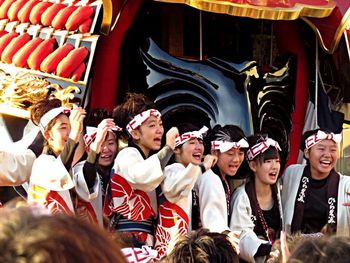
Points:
50	184
175	205
132	188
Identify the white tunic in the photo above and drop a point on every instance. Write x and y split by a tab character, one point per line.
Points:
50	183
241	220
174	213
94	197
290	184
212	202
15	167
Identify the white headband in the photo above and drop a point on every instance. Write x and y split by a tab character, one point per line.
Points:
139	119
92	131
224	146
261	147
320	136
188	135
50	115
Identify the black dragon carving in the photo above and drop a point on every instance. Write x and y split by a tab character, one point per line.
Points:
217	91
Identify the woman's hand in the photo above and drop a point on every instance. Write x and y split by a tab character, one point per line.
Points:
233	237
76	119
102	129
209	161
171	136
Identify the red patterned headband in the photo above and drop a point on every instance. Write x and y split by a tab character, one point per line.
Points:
139	255
261	147
92	131
188	135
139	119
224	146
320	136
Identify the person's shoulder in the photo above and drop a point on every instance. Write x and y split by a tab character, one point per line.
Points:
174	166
292	169
128	152
240	191
209	179
45	158
345	178
210	172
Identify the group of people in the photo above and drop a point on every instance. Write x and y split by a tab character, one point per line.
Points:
122	174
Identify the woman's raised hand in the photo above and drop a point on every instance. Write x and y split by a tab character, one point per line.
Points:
102	129
76	119
209	161
171	136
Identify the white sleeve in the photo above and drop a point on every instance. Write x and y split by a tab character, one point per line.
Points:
290	184
80	184
50	173
15	167
241	221
343	212
141	174
179	181
212	202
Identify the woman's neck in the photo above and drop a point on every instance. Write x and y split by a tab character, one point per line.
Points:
316	175
264	195
143	150
104	169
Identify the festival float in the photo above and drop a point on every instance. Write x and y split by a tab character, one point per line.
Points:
271	66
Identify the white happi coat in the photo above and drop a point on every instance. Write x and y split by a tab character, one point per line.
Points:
15	167
50	183
212	202
291	180
241	220
175	212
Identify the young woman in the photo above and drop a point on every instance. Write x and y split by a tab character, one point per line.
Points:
132	202
51	182
212	192
102	147
175	200
313	194
256	205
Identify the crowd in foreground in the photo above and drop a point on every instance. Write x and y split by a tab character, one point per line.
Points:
168	199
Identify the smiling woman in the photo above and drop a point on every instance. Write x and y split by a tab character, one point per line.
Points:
256	207
312	206
51	180
132	206
176	189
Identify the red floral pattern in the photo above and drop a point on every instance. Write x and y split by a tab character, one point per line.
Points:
172	223
131	203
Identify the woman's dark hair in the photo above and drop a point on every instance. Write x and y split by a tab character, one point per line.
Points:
203	246
134	104
41	107
229	133
270	153
95	116
27	236
327	249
